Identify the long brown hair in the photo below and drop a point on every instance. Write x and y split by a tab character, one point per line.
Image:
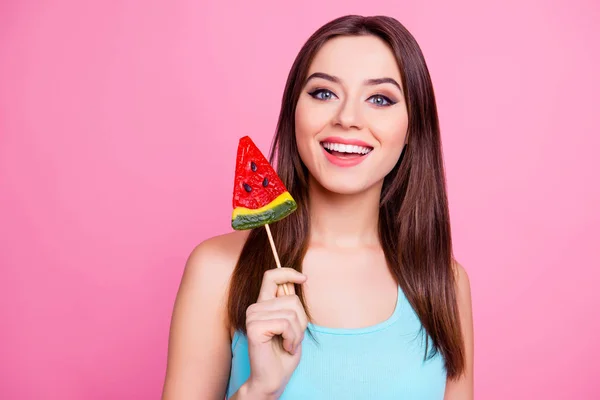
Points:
414	226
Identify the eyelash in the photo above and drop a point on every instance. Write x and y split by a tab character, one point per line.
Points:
386	99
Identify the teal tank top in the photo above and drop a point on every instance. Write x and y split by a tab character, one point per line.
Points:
382	361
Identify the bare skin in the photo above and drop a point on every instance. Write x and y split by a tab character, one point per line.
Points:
344	248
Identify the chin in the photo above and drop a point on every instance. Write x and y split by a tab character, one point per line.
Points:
342	185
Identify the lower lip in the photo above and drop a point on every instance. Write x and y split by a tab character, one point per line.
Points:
344	162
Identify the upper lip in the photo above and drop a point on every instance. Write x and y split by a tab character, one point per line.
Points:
349	141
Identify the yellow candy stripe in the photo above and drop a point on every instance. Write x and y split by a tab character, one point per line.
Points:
285	196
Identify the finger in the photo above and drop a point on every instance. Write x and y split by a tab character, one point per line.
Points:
287	314
263	331
281	289
280	303
277	276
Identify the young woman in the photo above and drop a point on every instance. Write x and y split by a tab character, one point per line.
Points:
378	307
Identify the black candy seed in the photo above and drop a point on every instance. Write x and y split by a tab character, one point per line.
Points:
265	182
247	188
253	166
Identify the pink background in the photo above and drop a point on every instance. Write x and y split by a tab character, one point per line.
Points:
118	129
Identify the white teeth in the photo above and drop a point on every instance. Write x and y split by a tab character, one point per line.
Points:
346	148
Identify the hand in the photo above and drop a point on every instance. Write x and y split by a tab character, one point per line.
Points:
275	325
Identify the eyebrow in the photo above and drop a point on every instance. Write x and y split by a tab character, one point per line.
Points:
371	82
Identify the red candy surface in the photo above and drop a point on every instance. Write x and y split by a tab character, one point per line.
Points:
247	178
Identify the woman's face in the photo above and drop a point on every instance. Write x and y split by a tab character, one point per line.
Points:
351	117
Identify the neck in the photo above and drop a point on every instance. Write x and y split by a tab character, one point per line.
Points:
341	220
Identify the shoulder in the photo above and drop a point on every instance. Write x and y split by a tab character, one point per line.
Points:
213	260
463	292
462	387
208	271
199	339
204	288
222	249
463	284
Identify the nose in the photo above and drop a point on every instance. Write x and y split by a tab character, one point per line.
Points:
349	115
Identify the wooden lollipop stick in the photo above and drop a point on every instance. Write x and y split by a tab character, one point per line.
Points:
285	289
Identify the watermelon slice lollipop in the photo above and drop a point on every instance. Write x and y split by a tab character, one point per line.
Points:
259	196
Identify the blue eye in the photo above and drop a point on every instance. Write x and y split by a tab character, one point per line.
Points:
381	101
322	94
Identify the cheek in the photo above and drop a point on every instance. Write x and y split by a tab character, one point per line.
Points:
309	120
390	130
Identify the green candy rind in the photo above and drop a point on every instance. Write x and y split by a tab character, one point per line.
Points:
274	214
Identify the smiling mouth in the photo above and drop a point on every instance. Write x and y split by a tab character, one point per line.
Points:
346	150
